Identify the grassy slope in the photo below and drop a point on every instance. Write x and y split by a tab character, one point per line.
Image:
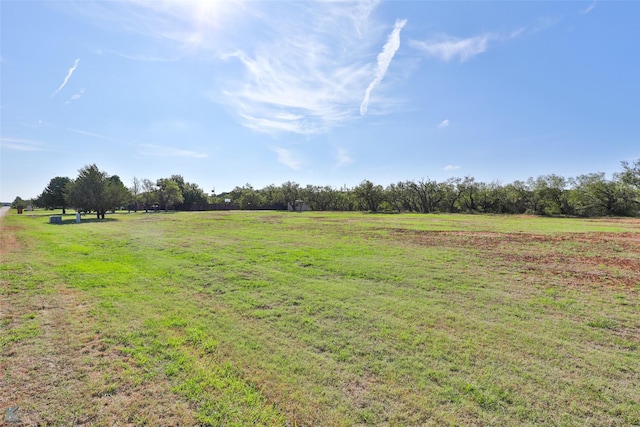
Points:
322	319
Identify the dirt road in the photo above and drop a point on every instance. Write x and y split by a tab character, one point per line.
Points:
4	210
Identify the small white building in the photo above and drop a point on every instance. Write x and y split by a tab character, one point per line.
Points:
298	206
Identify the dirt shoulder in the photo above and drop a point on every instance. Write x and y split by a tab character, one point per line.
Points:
4	210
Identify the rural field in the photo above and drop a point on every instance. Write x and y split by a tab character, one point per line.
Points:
320	319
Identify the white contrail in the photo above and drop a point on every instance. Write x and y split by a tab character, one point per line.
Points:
384	59
66	79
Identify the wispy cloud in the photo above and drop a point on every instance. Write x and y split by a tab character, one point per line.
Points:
75	97
589	8
384	60
66	79
444	123
294	67
96	135
162	151
310	69
451	167
287	158
544	23
19	144
447	48
343	158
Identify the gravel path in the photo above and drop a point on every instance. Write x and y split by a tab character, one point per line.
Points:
4	210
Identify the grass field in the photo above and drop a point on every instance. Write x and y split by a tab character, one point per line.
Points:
320	319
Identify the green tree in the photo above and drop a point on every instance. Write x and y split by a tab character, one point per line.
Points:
492	198
452	195
518	196
169	194
55	194
550	195
631	173
396	195
248	197
115	192
468	190
272	195
95	191
369	195
18	203
319	198
595	196
87	193
345	200
135	190
630	176
149	194
193	195
290	193
425	195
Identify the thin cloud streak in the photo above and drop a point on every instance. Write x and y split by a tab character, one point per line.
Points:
96	135
66	79
444	123
287	158
589	8
19	144
447	48
384	60
451	168
161	151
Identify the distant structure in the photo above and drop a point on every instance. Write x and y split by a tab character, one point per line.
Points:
298	206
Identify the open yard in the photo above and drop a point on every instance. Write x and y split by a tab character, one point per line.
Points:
320	319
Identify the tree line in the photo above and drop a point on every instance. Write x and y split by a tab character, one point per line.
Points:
588	195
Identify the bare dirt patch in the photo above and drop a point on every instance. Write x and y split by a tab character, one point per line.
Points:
8	241
579	259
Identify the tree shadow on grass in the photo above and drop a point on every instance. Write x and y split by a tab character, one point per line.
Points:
83	221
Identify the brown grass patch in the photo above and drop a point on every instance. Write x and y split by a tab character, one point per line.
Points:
69	375
578	259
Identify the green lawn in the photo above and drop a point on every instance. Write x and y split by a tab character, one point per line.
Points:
331	319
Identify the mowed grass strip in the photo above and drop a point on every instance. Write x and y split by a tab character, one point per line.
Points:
274	318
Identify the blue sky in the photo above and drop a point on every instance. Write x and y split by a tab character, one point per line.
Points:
325	93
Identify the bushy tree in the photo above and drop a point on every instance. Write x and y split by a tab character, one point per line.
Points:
194	195
248	197
290	193
319	198
95	191
630	174
369	195
116	194
593	195
18	203
550	195
87	193
55	194
169	194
